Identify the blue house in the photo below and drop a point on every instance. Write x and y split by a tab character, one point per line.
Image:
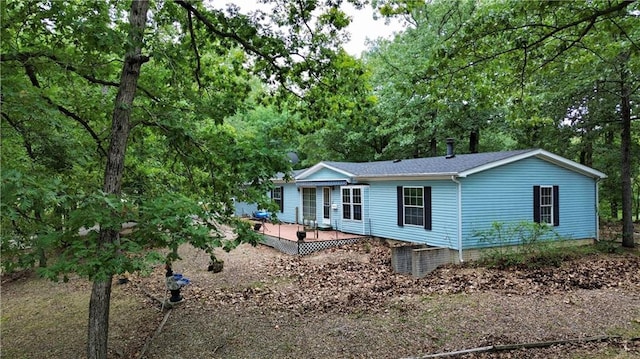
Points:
445	201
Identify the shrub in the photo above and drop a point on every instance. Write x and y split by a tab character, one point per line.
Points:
521	244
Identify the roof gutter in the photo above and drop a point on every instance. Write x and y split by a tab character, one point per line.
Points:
460	256
406	177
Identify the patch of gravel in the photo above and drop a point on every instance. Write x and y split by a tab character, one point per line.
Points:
347	303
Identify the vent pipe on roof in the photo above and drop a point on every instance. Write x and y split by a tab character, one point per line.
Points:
450	150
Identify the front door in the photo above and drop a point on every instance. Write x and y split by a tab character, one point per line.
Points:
326	205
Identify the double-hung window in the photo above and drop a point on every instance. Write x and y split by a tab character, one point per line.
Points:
352	203
276	196
414	206
546	205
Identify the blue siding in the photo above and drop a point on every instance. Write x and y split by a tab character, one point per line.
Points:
291	201
383	213
243	209
505	194
336	214
325	174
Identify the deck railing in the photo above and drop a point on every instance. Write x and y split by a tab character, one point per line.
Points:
303	248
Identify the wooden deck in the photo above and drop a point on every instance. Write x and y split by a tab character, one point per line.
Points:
283	237
288	231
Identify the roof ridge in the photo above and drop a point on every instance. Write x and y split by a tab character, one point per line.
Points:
397	160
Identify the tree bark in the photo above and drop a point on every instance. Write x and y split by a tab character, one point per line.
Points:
625	137
99	303
586	153
474	140
433	147
101	292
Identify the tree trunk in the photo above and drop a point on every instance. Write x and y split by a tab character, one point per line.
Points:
627	193
101	292
433	146
42	256
474	141
99	318
586	153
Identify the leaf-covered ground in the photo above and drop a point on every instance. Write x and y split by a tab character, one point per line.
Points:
347	303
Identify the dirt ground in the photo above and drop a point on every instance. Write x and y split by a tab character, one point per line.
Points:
339	303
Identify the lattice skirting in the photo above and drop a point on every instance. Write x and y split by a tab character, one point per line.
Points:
304	248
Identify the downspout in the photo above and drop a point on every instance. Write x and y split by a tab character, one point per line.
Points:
597	210
460	257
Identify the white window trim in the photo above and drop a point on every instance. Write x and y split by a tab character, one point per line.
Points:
550	205
278	200
351	204
404	207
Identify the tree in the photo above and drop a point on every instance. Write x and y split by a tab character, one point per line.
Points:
170	157
120	127
419	102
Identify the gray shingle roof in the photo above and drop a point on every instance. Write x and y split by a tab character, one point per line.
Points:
280	175
424	166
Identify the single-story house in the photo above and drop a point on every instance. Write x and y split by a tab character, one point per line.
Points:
445	201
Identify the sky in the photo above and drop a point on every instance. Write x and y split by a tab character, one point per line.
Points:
362	27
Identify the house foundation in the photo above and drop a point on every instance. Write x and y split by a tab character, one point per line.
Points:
418	260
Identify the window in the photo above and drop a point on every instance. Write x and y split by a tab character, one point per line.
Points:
414	206
276	195
352	203
546	205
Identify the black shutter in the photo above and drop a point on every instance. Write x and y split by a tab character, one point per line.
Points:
536	204
556	206
400	206
281	199
427	208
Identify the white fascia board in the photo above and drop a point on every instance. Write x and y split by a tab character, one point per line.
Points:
543	155
317	167
571	165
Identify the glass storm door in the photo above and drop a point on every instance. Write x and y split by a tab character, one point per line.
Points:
326	205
